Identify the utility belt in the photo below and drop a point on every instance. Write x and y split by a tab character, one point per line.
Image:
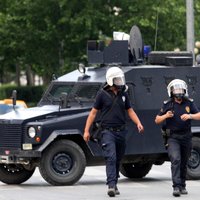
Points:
115	129
169	132
183	131
176	134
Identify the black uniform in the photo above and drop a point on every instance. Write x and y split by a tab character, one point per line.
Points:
179	142
113	134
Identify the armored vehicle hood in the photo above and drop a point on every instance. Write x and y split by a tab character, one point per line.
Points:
30	112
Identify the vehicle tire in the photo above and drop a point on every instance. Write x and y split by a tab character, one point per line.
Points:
14	174
135	170
193	168
62	163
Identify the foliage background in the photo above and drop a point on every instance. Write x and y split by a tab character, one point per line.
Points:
50	36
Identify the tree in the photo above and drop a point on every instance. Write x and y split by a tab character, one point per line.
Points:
46	37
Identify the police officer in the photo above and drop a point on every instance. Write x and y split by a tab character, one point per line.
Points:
177	113
113	126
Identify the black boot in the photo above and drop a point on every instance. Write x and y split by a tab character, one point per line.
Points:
117	191
111	192
176	192
183	190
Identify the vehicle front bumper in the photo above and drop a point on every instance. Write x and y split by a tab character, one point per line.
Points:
18	156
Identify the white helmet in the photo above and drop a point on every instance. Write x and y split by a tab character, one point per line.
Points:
115	76
177	88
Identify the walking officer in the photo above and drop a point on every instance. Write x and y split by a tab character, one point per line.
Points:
113	102
177	113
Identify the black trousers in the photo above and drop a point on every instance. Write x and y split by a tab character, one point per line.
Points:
113	147
179	149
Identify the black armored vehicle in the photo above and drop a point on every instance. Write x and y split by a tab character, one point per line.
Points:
50	136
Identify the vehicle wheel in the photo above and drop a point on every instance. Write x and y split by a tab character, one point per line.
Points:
135	170
193	169
14	174
62	163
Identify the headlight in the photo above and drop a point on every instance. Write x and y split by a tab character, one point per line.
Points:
31	132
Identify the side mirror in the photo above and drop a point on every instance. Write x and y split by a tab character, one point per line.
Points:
64	100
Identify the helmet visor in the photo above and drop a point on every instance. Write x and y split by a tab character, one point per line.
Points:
178	91
178	88
119	81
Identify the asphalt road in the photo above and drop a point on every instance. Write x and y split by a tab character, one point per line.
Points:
155	186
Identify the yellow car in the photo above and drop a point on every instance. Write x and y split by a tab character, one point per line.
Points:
7	106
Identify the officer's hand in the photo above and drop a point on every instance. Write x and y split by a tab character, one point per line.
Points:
86	136
140	128
169	114
185	117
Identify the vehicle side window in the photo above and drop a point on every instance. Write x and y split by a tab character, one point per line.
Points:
76	91
87	92
57	90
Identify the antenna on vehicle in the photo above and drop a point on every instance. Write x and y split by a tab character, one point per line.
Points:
156	33
14	98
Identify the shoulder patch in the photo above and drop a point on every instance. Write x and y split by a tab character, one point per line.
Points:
191	100
187	108
123	98
167	101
